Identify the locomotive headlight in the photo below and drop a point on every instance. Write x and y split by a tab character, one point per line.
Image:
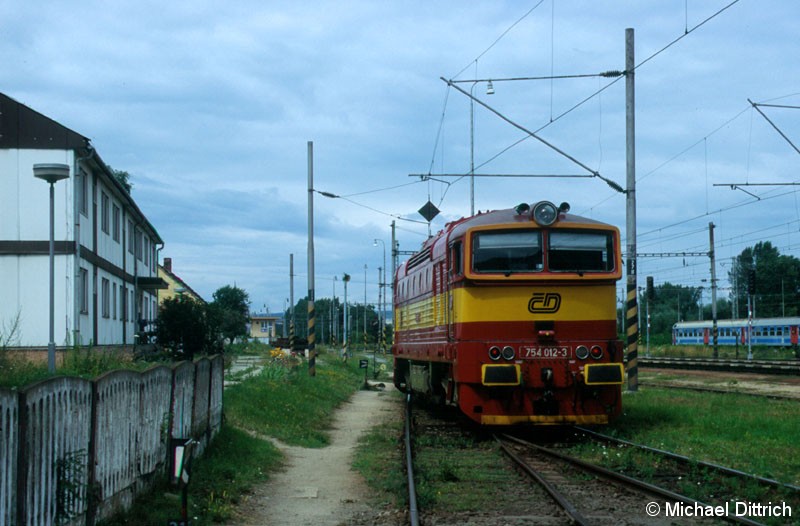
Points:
495	353
545	213
508	352
597	352
582	352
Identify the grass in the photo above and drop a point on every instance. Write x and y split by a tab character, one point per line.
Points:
751	434
286	403
231	465
85	362
283	402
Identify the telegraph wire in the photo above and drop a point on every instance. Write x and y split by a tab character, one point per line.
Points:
686	33
498	39
613	82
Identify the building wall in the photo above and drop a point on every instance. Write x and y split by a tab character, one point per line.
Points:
108	262
25	216
263	329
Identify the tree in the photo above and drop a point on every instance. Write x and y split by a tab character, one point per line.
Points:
181	327
777	281
123	177
670	304
231	311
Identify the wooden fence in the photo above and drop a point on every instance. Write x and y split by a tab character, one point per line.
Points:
73	451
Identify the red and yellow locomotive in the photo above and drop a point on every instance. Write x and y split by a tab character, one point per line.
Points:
511	315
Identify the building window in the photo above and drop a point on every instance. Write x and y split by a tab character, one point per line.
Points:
84	278
137	236
146	250
115	225
83	193
114	302
105	289
105	213
130	235
264	326
123	311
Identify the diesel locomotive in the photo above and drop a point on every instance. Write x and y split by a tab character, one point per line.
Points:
511	316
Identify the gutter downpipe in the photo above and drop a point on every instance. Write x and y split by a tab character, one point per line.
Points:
158	291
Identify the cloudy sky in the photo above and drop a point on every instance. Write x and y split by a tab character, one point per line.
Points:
210	106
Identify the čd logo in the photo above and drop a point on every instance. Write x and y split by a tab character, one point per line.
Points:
544	302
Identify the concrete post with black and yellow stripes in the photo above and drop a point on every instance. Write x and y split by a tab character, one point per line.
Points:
632	307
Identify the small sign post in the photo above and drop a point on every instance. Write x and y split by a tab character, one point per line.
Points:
364	364
179	460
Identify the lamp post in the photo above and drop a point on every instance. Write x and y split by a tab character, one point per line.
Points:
345	351
382	292
52	173
334	314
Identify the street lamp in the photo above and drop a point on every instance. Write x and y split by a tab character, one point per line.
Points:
334	314
52	173
382	292
365	306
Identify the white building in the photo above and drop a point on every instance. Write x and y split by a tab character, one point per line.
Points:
106	251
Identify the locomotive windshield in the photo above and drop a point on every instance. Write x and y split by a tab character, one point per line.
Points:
580	252
507	251
519	251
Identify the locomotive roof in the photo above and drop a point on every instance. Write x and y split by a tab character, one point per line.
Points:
509	215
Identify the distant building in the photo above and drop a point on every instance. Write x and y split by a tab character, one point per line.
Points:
106	250
175	285
264	327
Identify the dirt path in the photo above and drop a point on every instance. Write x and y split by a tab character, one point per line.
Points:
318	486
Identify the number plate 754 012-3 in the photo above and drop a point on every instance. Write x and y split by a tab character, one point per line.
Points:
544	351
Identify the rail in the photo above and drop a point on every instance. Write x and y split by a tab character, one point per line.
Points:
412	490
619	478
560	498
776	367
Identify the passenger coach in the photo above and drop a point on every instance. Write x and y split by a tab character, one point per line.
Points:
776	332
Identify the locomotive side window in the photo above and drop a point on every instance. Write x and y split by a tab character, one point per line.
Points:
580	252
456	261
507	251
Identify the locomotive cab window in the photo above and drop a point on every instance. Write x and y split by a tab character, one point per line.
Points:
580	252
456	265
506	252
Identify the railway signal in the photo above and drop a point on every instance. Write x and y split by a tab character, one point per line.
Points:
751	281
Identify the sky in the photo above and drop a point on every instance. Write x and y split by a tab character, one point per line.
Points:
210	107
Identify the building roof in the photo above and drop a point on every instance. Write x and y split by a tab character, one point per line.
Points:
24	128
182	283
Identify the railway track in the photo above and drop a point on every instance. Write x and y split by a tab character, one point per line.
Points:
700	389
776	367
586	501
686	461
623	492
